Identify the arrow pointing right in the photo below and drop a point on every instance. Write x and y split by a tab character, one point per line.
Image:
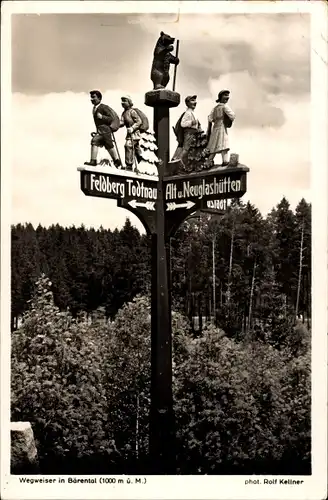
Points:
174	206
190	204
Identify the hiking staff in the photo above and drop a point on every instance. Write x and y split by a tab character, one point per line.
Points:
175	67
94	134
114	141
135	161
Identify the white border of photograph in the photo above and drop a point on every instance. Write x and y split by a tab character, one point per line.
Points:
191	487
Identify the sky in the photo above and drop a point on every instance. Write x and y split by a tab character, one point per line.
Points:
58	58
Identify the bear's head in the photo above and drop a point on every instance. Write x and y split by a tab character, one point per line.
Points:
165	40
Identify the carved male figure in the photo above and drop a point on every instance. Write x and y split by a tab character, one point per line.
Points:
162	59
222	118
186	128
107	122
131	119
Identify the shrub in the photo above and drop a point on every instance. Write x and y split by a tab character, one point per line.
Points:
240	407
58	382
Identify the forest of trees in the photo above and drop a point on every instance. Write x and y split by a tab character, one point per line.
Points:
80	353
249	273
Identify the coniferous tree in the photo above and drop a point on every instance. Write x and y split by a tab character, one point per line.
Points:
256	264
303	238
286	255
24	268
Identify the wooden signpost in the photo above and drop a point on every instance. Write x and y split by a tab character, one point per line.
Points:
162	203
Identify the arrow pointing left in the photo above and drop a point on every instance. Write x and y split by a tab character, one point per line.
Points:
148	205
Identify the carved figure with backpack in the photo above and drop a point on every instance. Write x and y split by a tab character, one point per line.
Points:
137	126
186	130
107	123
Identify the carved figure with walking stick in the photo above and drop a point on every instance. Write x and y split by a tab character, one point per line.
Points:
132	121
139	146
107	122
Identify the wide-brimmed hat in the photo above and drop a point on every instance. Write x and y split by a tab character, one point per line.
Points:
220	94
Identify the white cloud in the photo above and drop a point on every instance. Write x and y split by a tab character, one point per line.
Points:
51	139
278	158
258	31
51	133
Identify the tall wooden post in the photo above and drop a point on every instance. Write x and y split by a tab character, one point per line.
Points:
162	434
214	279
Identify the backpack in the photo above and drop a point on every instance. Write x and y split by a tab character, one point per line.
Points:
115	124
145	123
179	132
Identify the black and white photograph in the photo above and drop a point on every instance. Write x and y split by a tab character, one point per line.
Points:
164	250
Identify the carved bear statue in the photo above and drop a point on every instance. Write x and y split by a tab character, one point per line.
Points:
162	60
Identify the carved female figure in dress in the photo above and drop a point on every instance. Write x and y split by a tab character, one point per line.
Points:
219	120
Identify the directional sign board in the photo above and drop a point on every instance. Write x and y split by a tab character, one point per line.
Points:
204	186
127	186
189	193
135	192
183	194
180	191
